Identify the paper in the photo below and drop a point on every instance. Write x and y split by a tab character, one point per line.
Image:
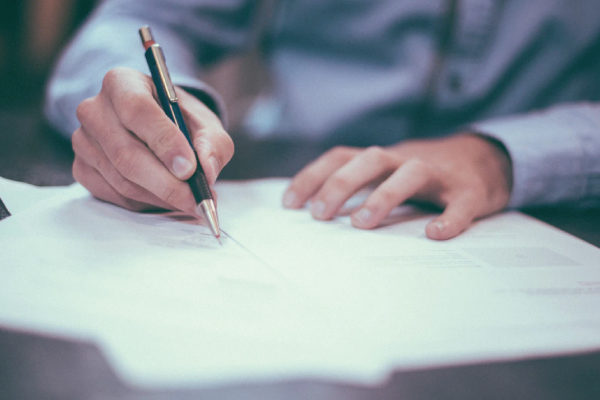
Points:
19	196
287	296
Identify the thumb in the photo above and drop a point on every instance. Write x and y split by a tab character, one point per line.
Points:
457	217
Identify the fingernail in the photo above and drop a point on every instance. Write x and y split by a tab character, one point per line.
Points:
215	166
181	166
289	199
440	225
363	216
317	209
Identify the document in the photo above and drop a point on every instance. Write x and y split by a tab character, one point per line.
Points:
290	297
18	196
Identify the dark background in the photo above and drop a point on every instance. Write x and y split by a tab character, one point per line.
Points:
32	33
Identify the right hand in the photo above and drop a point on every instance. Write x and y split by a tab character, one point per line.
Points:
128	152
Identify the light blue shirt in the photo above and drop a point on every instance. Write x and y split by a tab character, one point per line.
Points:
366	72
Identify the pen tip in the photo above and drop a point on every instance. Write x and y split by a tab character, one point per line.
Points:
219	240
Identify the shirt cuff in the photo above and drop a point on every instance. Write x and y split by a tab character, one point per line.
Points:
205	93
547	154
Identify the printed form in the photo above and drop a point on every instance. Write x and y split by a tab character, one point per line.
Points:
287	296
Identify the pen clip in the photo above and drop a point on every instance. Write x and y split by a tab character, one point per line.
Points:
159	58
165	78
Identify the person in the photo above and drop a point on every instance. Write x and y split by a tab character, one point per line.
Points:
471	105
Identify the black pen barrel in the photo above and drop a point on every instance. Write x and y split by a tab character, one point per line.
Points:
198	184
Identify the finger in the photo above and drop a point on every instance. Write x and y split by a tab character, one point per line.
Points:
131	97
458	216
311	178
215	149
213	144
91	153
361	170
93	181
412	177
136	162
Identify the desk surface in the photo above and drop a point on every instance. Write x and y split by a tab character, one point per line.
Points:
35	366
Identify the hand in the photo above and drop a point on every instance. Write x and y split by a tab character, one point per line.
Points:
468	175
128	152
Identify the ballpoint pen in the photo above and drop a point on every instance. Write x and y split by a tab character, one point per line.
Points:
168	100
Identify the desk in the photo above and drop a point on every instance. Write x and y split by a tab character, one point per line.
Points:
35	366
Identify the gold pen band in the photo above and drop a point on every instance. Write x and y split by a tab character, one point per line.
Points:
164	72
161	65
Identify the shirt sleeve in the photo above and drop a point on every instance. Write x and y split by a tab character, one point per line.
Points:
193	34
555	154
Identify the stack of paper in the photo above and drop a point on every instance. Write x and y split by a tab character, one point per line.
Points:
287	296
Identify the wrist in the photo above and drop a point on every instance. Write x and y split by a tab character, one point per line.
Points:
493	156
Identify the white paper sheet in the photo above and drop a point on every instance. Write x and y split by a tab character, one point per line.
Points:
287	296
19	196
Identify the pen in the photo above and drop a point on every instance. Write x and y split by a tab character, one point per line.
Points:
168	100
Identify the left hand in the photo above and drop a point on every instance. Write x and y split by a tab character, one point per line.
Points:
468	175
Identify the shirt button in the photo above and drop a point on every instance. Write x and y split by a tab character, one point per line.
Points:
455	82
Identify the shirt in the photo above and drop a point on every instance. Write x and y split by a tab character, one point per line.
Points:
376	72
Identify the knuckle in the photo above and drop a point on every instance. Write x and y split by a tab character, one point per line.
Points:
417	163
115	76
77	171
171	195
340	153
201	140
418	167
102	165
83	148
132	107
217	141
306	178
84	110
476	194
334	151
386	196
311	174
111	78
228	146
224	147
164	141
339	182
299	183
77	140
125	188
376	153
126	161
297	186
